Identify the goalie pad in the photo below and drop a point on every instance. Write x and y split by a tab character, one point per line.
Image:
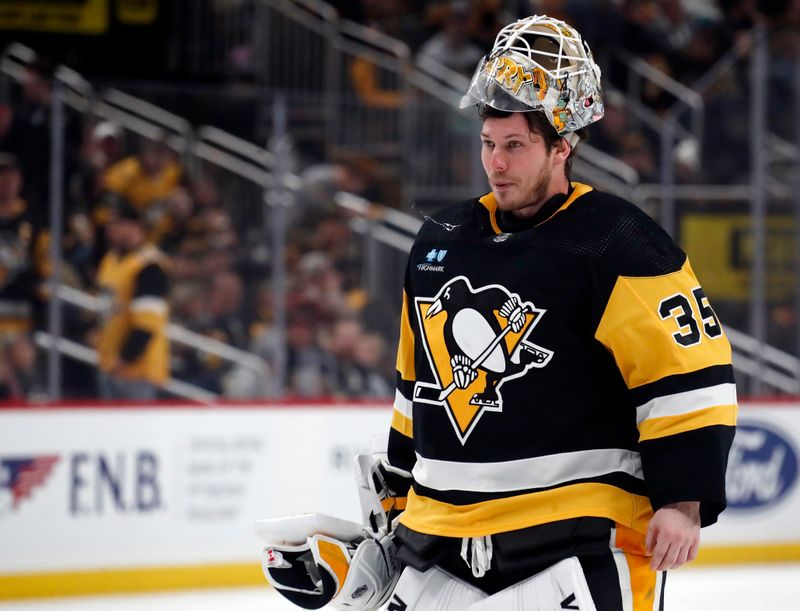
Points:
562	586
314	560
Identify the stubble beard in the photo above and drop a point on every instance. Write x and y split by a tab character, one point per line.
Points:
529	204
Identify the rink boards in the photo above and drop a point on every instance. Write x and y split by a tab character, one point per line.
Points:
124	498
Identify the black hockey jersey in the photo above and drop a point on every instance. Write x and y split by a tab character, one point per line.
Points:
568	367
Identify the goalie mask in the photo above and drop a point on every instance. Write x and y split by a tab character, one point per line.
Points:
540	63
314	560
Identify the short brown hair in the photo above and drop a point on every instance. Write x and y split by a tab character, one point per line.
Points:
538	124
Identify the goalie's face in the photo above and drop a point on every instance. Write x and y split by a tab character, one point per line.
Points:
522	171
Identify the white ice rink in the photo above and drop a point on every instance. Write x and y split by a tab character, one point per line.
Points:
754	588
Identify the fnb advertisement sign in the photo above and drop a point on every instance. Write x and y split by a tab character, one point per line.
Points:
118	487
20	476
96	482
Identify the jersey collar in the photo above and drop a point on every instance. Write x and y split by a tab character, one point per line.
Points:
552	207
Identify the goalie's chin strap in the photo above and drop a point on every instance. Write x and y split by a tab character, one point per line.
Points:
477	553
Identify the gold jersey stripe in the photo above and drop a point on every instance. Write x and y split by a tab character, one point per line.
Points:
490	203
578	189
654	428
397	502
427	515
149	320
401	424
631	318
645	592
405	348
639	583
644	586
334	557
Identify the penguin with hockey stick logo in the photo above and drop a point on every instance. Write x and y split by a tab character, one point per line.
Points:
484	331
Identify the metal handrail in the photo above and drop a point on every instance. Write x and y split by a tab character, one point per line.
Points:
14	59
686	96
742	192
782	149
772	378
650	72
77	91
146	110
137	125
641	112
394	219
609	164
406	222
437	80
257	175
241	157
176	333
88	355
770	354
258	155
319	9
601	179
375	39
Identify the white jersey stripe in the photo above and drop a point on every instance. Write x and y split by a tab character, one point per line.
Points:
157	305
659	591
687	402
526	473
623	573
403	405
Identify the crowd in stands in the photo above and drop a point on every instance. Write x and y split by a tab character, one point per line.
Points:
338	337
217	265
682	39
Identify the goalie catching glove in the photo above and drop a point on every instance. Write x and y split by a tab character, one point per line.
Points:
314	560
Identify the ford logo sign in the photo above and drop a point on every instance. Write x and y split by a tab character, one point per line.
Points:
762	467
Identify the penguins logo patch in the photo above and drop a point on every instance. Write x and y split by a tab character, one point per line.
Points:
475	340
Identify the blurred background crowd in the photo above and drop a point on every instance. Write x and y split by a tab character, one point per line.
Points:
335	333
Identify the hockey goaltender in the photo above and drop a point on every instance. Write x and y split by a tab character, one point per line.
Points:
565	398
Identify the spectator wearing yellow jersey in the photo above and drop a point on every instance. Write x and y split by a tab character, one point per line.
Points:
146	177
132	344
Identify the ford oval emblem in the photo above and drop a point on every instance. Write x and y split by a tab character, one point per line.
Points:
762	467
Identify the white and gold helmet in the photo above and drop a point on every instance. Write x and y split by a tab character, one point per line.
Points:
540	63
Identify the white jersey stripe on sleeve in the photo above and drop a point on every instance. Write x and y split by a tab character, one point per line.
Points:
526	473
158	305
687	402
403	405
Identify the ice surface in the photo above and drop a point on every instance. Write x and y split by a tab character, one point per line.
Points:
741	588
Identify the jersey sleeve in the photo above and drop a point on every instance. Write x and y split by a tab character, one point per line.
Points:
401	454
675	359
149	305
